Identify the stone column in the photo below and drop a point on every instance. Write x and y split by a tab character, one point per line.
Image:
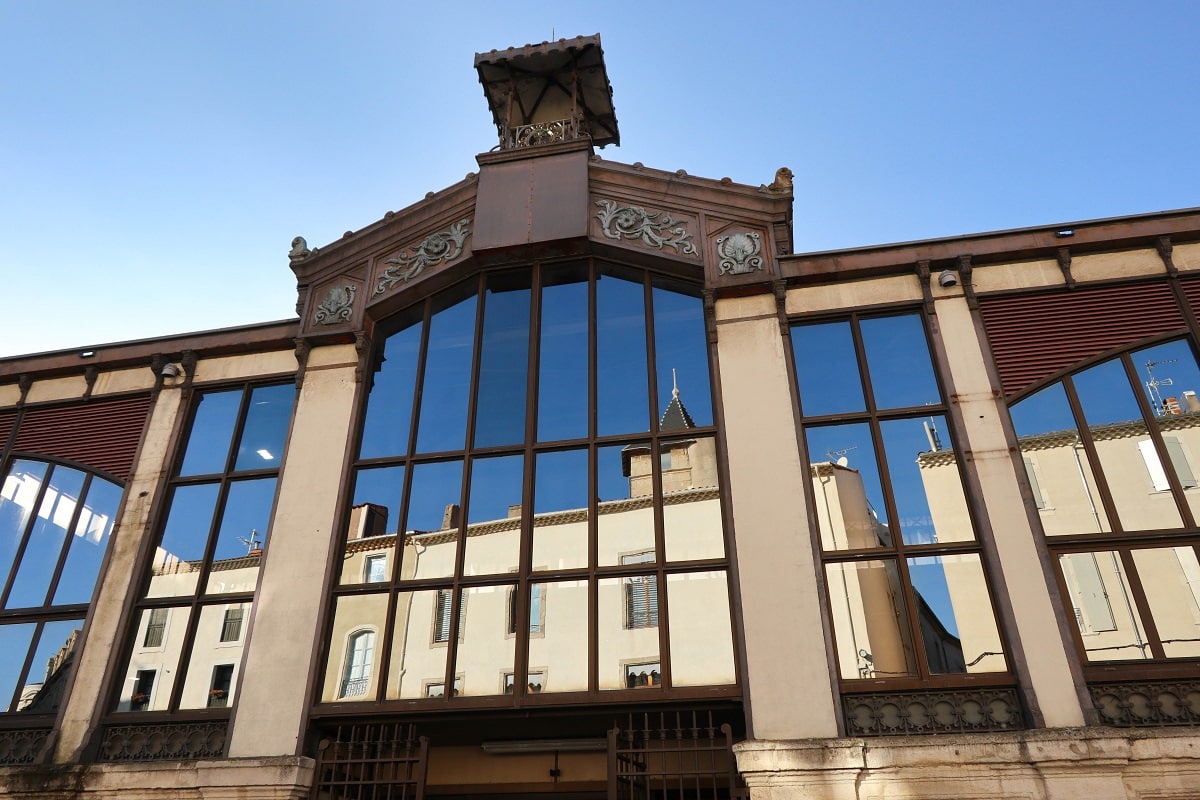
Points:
275	689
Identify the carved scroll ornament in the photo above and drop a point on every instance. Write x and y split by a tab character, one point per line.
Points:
635	222
739	253
437	248
337	306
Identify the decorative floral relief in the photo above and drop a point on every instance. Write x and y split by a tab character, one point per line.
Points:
739	253
437	248
635	222
337	306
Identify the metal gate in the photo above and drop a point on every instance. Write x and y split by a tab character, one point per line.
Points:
680	755
381	761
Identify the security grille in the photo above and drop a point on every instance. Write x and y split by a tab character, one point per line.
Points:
384	761
680	755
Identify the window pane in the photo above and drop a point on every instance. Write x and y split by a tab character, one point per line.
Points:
14	649
1070	499
623	398
17	499
898	362
845	476
55	515
209	653
1171	579
1171	378
691	501
1099	591
389	409
621	644
45	687
867	600
681	352
954	611
926	484
371	533
178	558
701	632
827	369
89	543
504	361
1130	467
431	537
211	433
484	653
625	521
266	427
418	653
560	652
241	537
560	530
494	516
150	672
447	384
352	672
563	397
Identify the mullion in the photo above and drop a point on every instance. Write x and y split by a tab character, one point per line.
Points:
656	444
593	500
1089	448
1160	446
1142	603
25	534
68	541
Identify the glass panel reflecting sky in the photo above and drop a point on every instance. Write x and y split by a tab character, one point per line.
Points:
898	362
563	372
267	420
954	612
55	516
681	353
494	532
433	520
560	530
89	543
244	524
850	508
623	395
14	649
447	383
211	433
925	480
827	369
184	540
389	410
504	361
624	526
17	499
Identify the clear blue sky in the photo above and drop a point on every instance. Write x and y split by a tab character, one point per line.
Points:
156	159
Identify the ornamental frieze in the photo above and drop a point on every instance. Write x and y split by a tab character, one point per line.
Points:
337	305
655	229
437	248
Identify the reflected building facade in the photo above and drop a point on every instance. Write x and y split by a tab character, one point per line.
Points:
577	479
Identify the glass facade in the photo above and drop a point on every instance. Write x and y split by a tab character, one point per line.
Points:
538	446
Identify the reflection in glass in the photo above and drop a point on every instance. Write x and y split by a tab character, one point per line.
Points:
1057	466
89	543
434	513
153	665
494	517
701	635
418	652
898	362
212	666
931	505
868	620
211	433
845	476
622	394
560	530
241	537
177	560
266	427
484	652
1171	378
447	382
55	514
389	409
53	656
954	611
352	671
827	369
17	498
625	521
504	361
14	649
1099	591
1171	579
371	534
559	651
680	351
622	644
691	503
563	372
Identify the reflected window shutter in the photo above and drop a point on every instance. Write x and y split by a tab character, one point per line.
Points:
1158	476
1179	462
1089	588
1038	499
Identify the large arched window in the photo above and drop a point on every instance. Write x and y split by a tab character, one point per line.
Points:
55	524
536	442
1112	456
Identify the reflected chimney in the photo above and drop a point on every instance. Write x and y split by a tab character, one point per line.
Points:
450	516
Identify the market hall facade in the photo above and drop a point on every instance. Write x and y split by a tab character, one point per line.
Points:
575	478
